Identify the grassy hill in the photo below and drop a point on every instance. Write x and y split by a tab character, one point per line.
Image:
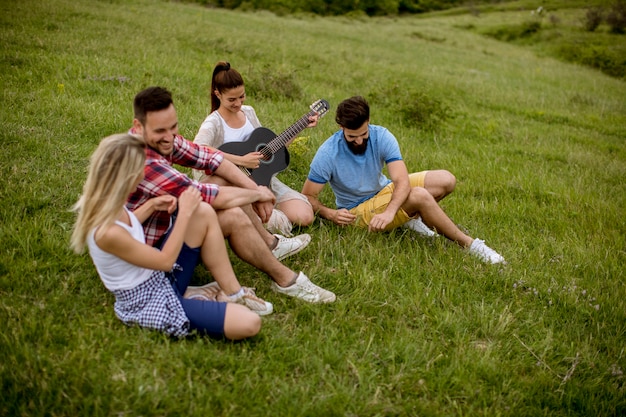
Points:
419	328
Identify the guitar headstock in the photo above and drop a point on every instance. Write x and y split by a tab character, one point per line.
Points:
321	106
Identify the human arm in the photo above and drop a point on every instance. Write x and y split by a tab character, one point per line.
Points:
161	203
340	217
400	177
230	197
261	198
212	135
117	241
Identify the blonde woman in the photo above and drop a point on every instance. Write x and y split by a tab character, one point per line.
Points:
149	283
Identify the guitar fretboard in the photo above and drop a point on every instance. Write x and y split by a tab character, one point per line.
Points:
281	140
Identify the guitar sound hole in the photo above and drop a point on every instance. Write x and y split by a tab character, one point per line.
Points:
267	159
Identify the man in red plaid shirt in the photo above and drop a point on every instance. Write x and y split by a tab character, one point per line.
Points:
241	208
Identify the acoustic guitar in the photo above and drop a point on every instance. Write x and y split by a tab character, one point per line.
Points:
275	155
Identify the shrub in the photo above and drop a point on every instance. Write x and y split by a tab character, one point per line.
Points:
616	18
416	108
593	18
272	83
514	32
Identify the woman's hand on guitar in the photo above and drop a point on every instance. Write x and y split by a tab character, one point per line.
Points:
251	160
313	120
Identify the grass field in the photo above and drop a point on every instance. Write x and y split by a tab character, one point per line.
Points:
419	328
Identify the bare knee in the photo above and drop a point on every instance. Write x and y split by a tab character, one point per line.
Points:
240	322
448	182
440	183
419	198
304	217
298	212
202	221
232	219
206	212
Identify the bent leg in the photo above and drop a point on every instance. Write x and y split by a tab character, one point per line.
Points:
439	183
266	236
204	232
297	211
240	322
218	319
294	204
250	247
422	203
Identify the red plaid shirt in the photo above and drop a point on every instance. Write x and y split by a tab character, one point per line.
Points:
162	178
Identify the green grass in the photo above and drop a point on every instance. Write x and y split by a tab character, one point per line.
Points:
419	327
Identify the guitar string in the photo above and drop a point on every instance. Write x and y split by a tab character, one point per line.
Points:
275	144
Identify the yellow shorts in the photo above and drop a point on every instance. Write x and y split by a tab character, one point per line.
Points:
377	204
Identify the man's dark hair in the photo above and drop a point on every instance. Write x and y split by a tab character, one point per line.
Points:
151	99
353	112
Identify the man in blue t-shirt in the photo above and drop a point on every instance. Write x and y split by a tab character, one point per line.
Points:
352	162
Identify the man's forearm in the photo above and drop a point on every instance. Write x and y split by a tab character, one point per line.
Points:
230	197
234	176
320	209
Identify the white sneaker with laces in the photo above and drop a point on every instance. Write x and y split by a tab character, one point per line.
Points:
417	225
485	253
304	289
208	292
249	299
288	246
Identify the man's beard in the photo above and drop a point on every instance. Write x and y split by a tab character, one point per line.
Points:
357	149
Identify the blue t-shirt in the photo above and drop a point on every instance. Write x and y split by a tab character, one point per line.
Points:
355	178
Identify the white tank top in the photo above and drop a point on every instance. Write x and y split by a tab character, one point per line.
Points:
115	273
237	135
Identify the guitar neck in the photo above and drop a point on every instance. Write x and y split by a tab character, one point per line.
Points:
281	140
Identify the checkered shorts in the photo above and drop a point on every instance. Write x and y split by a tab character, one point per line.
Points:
152	304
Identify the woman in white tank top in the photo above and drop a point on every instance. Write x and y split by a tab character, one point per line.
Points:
151	285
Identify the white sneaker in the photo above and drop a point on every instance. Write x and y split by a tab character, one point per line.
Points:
417	225
485	253
253	302
213	292
288	246
208	292
279	223
304	289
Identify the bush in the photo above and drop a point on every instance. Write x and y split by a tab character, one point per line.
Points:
600	57
416	108
616	17
514	32
272	83
593	18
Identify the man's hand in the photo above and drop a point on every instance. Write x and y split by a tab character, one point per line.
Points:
265	205
343	217
380	221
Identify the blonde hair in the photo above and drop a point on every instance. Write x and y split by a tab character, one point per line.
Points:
114	168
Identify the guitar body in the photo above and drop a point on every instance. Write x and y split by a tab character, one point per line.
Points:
258	139
274	148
